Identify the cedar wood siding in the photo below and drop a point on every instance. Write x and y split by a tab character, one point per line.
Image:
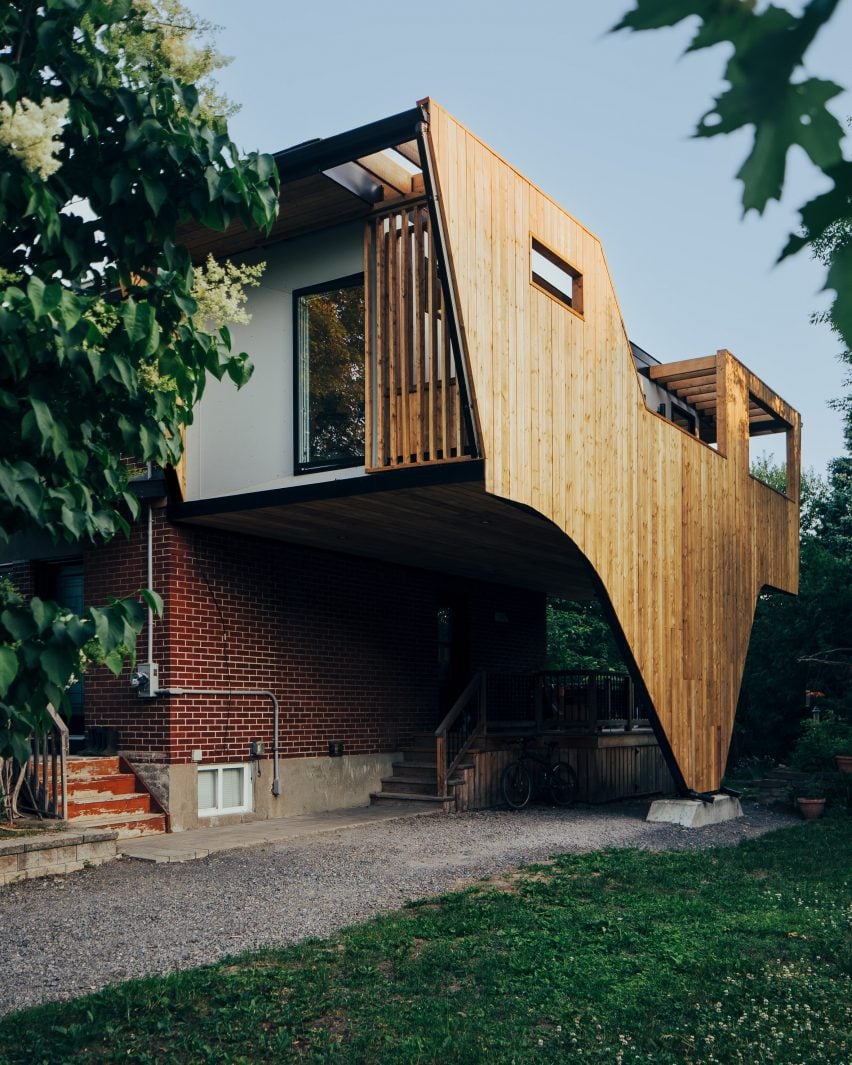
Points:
680	535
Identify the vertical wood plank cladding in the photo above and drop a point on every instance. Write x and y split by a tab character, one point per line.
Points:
681	536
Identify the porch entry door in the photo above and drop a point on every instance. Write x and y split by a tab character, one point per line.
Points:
453	652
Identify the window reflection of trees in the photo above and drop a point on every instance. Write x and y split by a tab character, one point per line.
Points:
332	377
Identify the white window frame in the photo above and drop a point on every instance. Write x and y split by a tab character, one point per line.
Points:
248	791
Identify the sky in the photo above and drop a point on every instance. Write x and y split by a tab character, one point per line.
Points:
601	122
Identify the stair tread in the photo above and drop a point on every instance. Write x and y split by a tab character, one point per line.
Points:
408	796
398	778
141	815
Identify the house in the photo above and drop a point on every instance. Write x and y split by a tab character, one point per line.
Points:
446	423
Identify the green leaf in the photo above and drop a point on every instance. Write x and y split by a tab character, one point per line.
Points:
119	185
109	626
44	421
152	600
155	193
840	279
19	623
799	118
59	664
114	662
8	669
43	612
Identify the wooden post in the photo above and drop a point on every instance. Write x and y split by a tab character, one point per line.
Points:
631	705
592	702
441	763
483	704
538	700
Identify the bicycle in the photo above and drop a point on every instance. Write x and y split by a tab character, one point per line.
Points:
516	780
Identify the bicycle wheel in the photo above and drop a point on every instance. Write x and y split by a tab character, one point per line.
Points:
562	781
516	785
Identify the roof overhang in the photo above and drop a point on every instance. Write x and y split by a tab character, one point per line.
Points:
434	517
327	182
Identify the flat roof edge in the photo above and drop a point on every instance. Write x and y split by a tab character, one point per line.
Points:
313	157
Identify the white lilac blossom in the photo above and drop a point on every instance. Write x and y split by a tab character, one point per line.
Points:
29	131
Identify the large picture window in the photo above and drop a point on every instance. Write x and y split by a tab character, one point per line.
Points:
329	328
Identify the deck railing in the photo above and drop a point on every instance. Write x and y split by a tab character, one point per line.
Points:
44	788
414	408
586	701
466	720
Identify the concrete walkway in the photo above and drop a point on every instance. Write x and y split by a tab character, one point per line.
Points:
202	842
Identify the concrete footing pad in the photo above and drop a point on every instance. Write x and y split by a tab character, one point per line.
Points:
693	813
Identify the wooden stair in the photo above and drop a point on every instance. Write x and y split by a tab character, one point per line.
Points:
415	778
103	792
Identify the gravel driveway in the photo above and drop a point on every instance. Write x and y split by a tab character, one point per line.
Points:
66	936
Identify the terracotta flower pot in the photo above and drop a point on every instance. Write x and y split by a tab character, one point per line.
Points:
811	809
844	763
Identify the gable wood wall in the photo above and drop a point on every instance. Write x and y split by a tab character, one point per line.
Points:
682	538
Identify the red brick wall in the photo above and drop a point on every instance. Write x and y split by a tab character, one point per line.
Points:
348	645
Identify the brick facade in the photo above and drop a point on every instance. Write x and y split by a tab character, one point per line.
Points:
348	645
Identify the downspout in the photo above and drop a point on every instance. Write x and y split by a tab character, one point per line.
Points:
276	780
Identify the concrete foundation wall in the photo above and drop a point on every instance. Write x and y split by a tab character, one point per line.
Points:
308	785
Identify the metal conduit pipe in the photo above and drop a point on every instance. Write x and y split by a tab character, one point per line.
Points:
276	780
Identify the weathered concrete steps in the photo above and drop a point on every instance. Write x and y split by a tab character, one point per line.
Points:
415	778
104	793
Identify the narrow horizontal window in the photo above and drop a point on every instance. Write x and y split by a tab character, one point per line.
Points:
224	789
558	278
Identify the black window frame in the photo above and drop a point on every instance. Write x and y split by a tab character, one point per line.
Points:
301	468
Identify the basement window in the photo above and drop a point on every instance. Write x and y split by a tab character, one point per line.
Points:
556	277
224	789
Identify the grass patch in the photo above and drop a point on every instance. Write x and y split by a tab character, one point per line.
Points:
727	955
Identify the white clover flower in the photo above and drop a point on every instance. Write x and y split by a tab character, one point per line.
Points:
28	132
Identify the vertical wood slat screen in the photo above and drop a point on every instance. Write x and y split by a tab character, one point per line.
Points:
414	413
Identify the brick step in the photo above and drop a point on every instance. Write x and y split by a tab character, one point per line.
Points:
101	804
93	766
404	796
115	784
139	824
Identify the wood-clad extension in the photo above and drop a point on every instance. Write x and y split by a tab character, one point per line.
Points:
680	535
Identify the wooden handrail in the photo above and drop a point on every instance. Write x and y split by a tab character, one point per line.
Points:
448	754
45	773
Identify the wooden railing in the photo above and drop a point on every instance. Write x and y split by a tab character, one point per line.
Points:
44	788
414	400
466	720
586	702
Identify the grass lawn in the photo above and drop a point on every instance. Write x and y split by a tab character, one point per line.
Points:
729	955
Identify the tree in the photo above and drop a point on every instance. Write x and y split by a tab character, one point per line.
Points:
788	629
768	89
106	149
579	637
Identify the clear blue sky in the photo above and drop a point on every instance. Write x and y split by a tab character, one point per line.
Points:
602	123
